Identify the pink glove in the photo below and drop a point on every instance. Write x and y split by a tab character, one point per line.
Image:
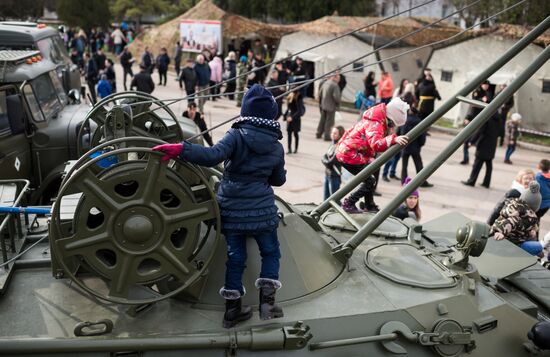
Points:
172	151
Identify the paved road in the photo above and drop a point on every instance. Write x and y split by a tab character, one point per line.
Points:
305	171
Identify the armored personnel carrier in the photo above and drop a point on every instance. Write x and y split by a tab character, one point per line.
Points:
131	263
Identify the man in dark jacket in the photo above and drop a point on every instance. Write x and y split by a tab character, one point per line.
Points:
177	58
163	61
143	81
126	62
481	94
91	73
203	79
196	116
147	60
485	141
414	148
253	162
274	88
188	80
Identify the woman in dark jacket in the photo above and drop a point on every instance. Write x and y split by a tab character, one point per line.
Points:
293	118
230	72
485	141
370	86
253	162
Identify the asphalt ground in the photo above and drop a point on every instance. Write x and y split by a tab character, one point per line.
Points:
305	172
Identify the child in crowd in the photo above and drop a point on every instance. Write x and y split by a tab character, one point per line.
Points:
512	129
293	117
104	88
543	178
411	207
518	222
374	133
519	185
333	169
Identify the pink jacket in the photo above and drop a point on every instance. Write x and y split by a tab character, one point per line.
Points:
216	69
367	137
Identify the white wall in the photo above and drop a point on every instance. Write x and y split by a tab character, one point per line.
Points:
330	56
408	67
469	58
439	8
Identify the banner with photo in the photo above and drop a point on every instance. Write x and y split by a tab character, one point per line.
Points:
200	35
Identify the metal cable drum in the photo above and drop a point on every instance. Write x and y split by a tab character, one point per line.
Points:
121	231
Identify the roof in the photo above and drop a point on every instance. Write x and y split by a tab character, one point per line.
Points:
22	35
233	26
388	30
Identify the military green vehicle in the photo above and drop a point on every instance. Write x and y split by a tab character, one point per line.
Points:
131	263
42	127
26	36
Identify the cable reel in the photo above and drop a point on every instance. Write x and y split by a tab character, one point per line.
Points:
119	232
143	115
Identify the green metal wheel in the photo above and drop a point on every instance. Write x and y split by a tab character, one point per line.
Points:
147	116
134	224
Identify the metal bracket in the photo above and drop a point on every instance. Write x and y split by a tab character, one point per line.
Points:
93	331
342	252
297	336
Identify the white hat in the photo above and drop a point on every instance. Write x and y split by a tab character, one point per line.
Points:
515	116
396	110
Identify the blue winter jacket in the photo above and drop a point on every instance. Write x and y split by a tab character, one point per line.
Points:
544	183
254	161
104	88
203	74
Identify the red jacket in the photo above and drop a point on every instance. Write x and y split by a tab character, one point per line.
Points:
360	143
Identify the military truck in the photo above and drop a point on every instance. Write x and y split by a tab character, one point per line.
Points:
33	36
42	126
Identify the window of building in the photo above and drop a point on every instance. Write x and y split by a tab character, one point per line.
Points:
444	10
395	66
446	76
358	67
546	86
383	9
419	63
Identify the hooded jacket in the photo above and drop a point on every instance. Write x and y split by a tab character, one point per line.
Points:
253	162
514	192
544	181
367	137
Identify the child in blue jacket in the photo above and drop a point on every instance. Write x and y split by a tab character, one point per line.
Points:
254	161
104	88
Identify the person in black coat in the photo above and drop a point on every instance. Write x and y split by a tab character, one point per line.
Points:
293	118
126	62
485	141
481	94
143	81
231	70
91	74
253	162
414	148
163	61
370	85
273	87
188	80
426	94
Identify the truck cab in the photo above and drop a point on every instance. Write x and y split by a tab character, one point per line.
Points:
39	121
32	36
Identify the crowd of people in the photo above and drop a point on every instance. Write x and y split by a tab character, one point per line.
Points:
389	113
